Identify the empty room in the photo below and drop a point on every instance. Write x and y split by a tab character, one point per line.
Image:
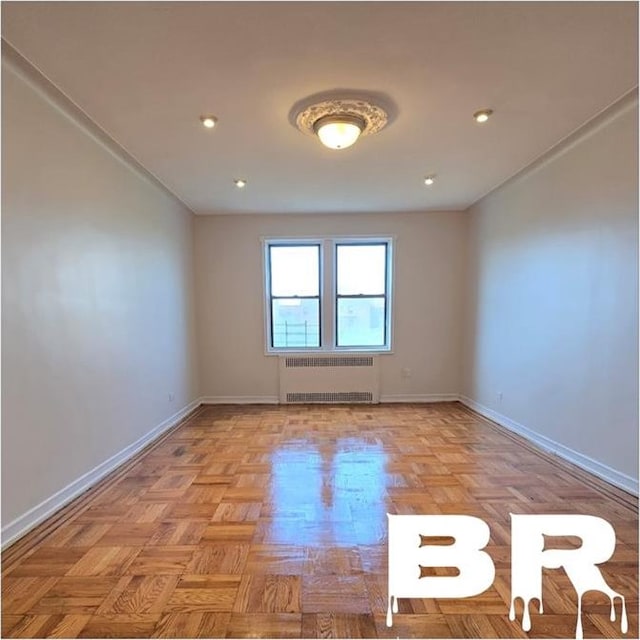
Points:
320	319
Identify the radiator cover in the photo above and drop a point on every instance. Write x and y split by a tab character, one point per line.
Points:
329	379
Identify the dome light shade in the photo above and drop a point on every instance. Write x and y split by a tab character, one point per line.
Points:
339	131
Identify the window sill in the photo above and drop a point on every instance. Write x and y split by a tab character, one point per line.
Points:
329	352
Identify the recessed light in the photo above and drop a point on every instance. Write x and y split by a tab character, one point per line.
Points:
240	183
429	180
208	121
483	115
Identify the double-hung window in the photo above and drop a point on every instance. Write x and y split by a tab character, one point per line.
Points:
294	294
361	295
331	294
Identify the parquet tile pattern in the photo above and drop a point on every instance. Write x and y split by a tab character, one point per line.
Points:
270	521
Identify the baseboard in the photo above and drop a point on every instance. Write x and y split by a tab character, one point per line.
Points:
441	397
27	521
239	400
612	476
24	523
429	397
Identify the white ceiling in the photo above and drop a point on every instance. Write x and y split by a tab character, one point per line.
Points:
146	71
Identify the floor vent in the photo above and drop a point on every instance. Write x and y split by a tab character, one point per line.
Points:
330	378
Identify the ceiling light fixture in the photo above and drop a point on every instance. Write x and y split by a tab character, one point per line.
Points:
340	131
240	183
429	180
209	121
339	123
483	115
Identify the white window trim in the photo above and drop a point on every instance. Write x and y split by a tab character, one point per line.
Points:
275	241
328	297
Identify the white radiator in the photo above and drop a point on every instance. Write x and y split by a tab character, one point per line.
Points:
329	378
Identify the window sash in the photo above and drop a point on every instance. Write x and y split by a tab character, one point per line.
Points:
384	244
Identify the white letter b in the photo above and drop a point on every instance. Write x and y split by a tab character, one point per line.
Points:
407	554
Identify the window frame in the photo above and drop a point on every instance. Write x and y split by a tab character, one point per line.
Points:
328	299
354	242
269	297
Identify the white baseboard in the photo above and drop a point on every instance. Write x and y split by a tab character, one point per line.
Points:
239	400
441	397
614	477
430	397
34	516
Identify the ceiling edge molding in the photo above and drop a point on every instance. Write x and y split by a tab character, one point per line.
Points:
67	107
326	214
627	101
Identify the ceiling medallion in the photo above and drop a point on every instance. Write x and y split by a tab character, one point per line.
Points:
339	123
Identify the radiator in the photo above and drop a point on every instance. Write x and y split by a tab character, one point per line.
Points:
329	378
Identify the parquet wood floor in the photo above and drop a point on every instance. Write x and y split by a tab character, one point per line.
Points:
270	521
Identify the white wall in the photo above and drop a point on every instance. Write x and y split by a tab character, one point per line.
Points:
553	307
100	306
429	271
97	300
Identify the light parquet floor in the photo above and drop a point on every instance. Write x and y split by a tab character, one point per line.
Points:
270	521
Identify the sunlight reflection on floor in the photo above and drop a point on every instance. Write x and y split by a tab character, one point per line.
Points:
328	493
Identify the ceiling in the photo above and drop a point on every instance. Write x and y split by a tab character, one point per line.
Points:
145	72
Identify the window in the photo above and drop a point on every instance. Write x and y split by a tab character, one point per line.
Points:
361	297
295	296
328	295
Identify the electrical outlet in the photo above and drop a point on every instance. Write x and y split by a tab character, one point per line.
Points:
405	372
171	396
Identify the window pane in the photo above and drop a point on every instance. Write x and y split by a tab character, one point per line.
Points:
295	322
295	271
361	269
361	322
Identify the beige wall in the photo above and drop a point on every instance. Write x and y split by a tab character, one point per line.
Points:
429	270
553	308
97	319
